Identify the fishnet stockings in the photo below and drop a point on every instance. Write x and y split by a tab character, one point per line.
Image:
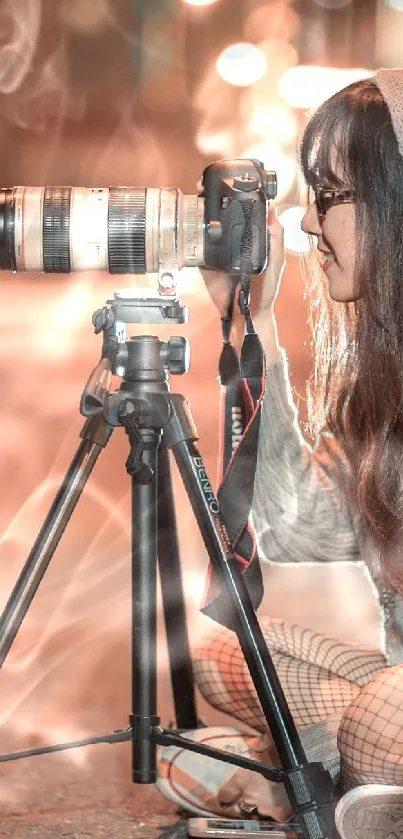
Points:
370	738
322	678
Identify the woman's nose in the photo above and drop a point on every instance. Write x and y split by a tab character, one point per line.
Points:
310	223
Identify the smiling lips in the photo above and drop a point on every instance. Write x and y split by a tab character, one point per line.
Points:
328	259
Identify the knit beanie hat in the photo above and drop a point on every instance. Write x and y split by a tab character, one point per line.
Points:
390	84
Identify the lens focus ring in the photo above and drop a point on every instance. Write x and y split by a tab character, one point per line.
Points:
7	228
127	231
56	229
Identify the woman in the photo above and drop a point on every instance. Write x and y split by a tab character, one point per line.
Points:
341	501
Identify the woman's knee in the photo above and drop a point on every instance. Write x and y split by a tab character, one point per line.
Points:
370	738
215	658
213	645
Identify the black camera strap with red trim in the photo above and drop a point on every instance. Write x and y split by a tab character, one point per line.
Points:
242	390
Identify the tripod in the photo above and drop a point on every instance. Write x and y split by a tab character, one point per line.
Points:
157	421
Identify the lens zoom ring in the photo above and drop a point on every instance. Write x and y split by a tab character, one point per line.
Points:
127	231
56	229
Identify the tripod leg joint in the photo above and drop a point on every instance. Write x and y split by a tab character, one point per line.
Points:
143	727
144	769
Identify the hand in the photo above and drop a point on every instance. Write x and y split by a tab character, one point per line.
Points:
247	790
219	288
265	286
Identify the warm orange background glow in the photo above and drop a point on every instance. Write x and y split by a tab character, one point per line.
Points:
93	95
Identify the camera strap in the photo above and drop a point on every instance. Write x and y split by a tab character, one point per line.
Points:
242	389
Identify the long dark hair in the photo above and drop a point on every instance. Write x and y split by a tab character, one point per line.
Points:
358	392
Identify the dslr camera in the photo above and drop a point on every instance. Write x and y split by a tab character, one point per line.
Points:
129	230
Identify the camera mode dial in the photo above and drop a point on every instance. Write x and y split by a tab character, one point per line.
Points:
247	183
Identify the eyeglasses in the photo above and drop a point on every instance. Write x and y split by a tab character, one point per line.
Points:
326	198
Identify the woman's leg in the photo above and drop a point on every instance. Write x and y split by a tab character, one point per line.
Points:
320	676
370	738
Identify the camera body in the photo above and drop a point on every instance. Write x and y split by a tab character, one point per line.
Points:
231	188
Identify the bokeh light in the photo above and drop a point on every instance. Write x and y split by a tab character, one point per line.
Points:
263	112
273	158
396	5
275	123
295	240
280	55
306	87
242	64
214	143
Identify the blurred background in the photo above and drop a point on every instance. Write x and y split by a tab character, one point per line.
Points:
105	92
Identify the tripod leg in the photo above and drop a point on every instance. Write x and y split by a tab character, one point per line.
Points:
144	611
95	436
308	785
173	599
239	611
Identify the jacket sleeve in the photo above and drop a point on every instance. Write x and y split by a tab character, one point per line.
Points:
299	513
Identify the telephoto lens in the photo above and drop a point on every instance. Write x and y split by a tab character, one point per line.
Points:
128	230
123	230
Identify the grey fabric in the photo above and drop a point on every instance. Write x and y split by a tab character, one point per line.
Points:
390	84
319	742
299	513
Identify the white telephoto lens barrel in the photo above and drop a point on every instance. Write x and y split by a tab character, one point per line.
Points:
61	229
191	230
89	229
28	230
174	230
123	230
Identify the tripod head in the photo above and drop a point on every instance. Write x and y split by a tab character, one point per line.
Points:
136	305
143	362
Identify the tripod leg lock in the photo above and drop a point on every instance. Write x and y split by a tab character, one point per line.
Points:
311	793
129	413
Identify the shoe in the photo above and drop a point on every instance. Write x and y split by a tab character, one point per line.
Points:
190	780
373	811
